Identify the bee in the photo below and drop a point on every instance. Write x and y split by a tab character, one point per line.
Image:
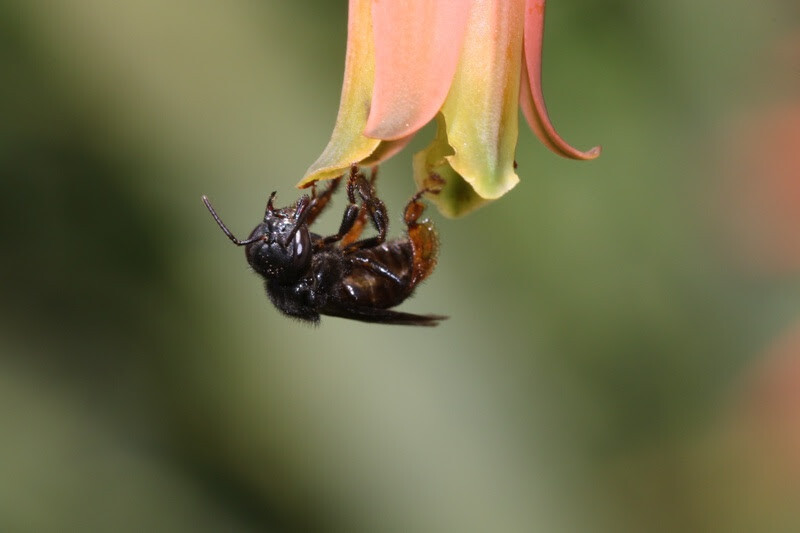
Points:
307	275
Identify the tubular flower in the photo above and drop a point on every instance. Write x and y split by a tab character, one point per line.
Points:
468	64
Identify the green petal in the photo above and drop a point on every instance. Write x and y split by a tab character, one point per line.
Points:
457	198
348	144
481	109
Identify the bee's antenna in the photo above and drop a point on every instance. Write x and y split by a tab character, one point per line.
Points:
224	228
270	207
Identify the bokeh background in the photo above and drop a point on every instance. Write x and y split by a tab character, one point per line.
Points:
623	352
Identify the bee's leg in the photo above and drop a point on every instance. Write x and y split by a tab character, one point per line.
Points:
374	207
353	235
350	217
318	203
376	268
421	234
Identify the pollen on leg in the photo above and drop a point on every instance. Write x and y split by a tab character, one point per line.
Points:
422	235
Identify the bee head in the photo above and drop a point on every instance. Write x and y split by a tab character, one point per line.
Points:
279	248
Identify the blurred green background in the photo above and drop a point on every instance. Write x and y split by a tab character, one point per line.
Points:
606	320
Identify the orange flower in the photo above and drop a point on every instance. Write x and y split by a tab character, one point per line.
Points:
467	63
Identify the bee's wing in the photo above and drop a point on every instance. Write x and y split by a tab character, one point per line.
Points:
384	316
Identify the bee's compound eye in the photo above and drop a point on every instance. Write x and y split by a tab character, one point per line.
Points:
302	249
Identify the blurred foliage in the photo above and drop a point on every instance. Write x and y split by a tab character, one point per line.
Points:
602	322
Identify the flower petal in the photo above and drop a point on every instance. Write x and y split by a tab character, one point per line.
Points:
531	96
457	198
385	150
481	110
417	46
348	145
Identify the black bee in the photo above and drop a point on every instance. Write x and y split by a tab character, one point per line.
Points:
307	275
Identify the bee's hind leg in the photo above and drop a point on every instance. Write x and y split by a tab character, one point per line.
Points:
421	234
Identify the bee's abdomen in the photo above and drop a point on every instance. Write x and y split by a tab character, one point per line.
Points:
379	277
